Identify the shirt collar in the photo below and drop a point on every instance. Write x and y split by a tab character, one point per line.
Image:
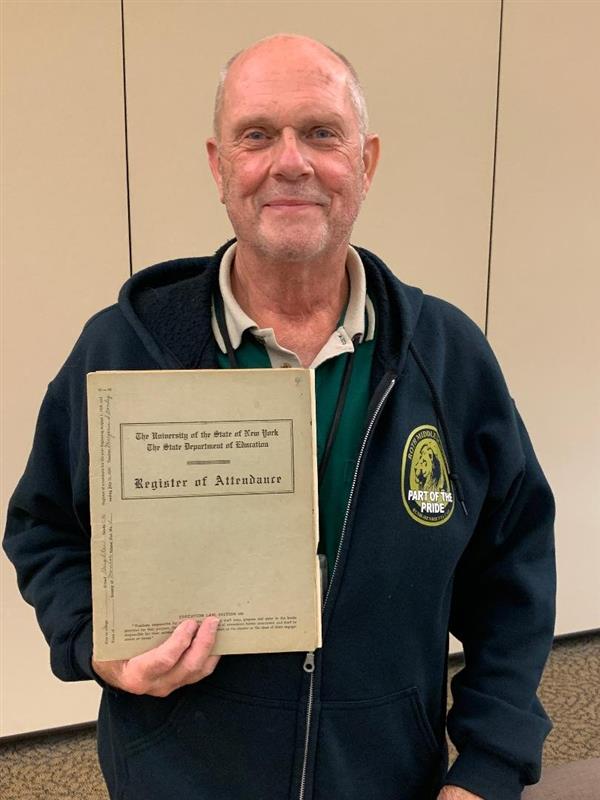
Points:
359	309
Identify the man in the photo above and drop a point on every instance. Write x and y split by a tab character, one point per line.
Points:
435	515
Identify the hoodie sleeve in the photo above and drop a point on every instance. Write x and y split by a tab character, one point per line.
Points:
503	612
48	541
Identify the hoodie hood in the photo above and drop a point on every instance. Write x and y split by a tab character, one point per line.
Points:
186	341
147	299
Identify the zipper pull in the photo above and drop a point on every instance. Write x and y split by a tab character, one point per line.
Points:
309	662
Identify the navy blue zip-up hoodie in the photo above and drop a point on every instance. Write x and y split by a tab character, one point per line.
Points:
448	528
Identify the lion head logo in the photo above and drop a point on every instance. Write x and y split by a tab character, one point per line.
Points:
428	471
426	488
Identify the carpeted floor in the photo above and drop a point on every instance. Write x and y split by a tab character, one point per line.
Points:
63	766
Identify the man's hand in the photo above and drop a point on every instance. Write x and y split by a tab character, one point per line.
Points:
182	659
457	793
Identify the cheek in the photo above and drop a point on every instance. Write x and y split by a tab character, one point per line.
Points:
244	176
342	177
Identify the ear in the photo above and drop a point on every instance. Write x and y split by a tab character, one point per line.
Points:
214	162
371	150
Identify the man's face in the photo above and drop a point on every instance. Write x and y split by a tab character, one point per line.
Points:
290	164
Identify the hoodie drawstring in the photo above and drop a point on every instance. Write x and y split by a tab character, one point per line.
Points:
453	476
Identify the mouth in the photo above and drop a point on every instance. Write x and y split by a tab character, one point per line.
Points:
291	205
293	202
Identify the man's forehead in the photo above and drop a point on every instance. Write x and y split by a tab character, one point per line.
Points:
296	62
282	73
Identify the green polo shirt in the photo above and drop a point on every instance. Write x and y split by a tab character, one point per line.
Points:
335	486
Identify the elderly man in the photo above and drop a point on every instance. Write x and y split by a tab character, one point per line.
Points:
435	515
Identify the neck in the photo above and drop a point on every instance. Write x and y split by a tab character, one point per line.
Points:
296	290
301	301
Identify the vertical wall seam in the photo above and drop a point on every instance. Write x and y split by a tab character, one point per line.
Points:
493	198
126	137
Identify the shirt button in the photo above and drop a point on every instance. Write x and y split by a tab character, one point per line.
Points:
286	365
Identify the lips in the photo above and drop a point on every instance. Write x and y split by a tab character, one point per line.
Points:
291	203
295	209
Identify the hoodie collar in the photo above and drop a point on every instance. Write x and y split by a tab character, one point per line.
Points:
168	306
397	308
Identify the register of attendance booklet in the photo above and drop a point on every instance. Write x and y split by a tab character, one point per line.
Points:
203	495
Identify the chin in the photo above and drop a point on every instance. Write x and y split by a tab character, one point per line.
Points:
298	246
293	253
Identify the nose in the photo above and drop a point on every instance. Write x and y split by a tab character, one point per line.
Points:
289	157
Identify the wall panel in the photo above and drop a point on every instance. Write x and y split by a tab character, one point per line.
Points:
429	71
544	322
64	255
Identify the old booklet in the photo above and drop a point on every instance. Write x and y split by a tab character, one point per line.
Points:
203	495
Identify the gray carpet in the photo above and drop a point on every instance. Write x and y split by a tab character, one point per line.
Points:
63	766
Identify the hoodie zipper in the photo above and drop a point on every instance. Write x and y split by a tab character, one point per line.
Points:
309	661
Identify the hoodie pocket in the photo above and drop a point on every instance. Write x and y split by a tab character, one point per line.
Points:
211	744
383	749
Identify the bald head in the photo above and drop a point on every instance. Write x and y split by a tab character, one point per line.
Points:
284	47
289	159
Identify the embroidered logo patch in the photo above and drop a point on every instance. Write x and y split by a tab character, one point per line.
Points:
426	489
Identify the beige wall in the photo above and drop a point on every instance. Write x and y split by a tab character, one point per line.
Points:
64	255
544	323
430	71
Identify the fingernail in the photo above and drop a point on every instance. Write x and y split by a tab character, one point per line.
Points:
213	624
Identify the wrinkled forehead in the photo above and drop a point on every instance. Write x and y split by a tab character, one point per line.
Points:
274	75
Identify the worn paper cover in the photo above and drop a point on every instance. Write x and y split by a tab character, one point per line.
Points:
204	501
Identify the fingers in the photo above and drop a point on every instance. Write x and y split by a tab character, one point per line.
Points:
158	661
182	659
197	661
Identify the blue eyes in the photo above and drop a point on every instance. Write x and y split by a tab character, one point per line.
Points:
320	134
